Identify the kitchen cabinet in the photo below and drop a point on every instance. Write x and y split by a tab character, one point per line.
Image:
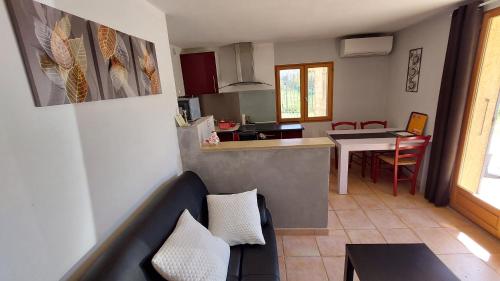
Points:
199	72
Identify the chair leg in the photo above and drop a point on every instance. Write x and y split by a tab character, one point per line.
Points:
375	173
414	180
372	163
336	159
395	181
363	164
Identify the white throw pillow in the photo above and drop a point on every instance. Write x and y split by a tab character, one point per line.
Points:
235	218
191	253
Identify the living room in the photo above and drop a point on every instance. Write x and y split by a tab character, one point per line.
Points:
95	184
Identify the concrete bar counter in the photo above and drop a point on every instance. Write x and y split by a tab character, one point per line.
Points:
293	174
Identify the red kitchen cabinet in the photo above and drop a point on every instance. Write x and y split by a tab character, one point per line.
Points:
199	73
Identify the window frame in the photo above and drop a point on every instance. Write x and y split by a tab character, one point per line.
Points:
303	92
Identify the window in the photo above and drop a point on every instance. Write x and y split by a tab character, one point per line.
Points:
304	92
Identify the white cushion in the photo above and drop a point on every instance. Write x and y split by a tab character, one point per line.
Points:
191	253
235	218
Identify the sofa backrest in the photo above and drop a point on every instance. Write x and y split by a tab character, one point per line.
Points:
129	256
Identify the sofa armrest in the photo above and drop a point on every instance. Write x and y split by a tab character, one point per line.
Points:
261	202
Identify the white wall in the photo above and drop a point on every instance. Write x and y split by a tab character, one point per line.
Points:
432	35
70	174
175	53
359	83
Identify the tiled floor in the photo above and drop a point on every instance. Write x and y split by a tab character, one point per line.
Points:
370	214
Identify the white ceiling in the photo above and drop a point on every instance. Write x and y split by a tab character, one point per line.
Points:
202	23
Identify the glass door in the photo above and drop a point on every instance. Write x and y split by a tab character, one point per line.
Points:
476	189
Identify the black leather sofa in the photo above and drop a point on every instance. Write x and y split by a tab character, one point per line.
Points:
129	256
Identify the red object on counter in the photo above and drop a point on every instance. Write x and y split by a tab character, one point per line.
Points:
226	124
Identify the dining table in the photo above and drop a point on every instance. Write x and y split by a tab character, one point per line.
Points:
347	141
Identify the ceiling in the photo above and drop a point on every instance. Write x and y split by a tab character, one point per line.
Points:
205	23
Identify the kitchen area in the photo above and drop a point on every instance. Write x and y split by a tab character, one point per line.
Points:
235	84
230	90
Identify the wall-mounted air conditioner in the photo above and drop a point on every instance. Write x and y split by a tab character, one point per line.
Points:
368	46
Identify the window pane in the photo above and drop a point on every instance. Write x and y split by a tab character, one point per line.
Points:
317	92
290	93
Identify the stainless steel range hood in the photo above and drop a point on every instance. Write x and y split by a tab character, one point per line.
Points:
244	65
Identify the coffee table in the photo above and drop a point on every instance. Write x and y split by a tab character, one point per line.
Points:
394	262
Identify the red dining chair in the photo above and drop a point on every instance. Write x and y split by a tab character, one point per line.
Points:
370	154
365	124
409	152
346	125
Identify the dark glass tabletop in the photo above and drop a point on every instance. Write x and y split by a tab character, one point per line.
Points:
395	262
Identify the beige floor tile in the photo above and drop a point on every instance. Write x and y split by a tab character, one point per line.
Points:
333	244
354	219
447	217
279	245
469	267
342	202
305	269
493	262
329	207
399	235
440	241
415	218
334	268
365	236
420	201
478	241
333	221
300	246
384	185
282	266
369	201
385	219
397	202
357	186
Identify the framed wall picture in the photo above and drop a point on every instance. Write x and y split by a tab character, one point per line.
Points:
69	59
413	74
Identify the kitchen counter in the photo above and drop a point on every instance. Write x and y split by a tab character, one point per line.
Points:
293	173
268	144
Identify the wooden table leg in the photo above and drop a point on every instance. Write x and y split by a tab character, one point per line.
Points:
348	269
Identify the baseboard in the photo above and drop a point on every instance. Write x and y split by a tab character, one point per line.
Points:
302	231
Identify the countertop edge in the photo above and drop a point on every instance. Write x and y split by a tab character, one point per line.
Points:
321	142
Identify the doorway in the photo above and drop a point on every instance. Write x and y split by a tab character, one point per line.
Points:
476	186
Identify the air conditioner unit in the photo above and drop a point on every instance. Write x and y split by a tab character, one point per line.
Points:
368	46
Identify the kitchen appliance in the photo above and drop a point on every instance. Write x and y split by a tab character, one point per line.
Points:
189	107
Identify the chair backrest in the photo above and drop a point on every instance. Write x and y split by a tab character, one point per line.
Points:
411	147
373	122
416	123
353	125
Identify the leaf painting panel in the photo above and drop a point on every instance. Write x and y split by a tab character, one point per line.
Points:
57	53
114	62
70	60
146	65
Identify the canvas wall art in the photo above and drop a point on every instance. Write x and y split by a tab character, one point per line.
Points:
114	62
146	67
72	60
413	73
